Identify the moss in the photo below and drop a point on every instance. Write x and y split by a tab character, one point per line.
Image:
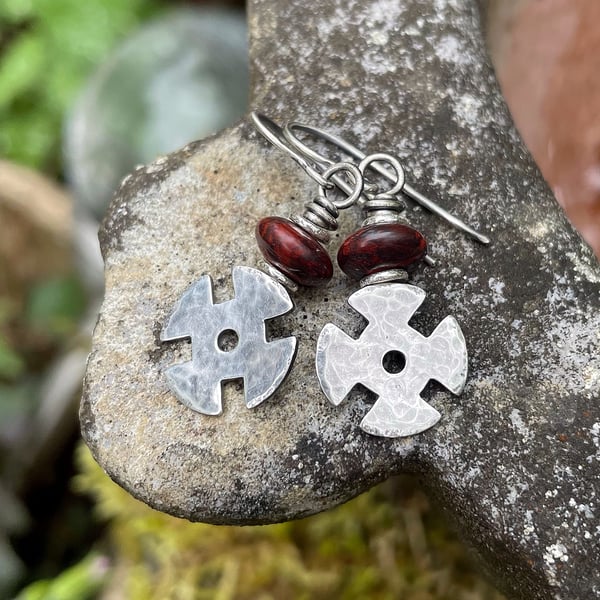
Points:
382	545
82	581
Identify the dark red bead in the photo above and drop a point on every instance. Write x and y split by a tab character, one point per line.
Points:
380	247
294	252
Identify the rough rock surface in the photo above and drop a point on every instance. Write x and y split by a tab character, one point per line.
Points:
515	459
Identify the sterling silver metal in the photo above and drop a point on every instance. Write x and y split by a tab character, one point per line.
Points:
263	365
321	215
355	190
277	136
387	276
384	206
351	150
343	362
280	277
398	180
274	133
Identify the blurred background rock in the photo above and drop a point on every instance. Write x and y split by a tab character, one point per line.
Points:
547	58
87	91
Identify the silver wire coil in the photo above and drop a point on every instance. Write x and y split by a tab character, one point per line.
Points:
321	215
319	218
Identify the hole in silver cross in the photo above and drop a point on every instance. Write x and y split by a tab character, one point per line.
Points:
227	340
393	361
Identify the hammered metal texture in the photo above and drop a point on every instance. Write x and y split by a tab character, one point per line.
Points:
343	362
262	365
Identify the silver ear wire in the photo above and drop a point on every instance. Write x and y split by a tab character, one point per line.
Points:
299	152
275	134
353	151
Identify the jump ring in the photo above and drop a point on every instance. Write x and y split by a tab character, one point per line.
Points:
358	183
394	162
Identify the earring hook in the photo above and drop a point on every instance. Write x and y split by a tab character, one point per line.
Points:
274	133
351	150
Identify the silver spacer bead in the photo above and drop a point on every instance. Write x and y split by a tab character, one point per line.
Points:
383	209
321	234
383	216
388	276
280	277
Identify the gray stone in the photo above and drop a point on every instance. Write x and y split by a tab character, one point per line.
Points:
128	113
515	460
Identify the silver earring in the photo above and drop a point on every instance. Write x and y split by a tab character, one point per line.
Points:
389	358
229	339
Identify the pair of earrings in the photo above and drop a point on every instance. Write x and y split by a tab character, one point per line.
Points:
390	358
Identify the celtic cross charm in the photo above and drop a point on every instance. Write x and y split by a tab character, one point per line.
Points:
262	364
342	362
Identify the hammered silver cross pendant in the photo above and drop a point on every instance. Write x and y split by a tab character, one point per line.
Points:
343	362
261	364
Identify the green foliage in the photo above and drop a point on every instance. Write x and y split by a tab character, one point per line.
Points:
15	11
80	582
11	363
17	400
380	546
47	49
22	66
55	305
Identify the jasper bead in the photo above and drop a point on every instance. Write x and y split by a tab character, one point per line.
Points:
379	247
297	254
